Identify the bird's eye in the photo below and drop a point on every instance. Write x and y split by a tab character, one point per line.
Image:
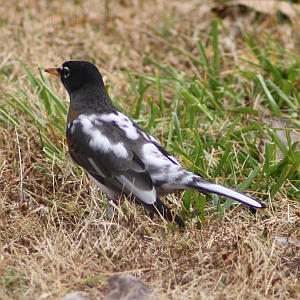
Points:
66	72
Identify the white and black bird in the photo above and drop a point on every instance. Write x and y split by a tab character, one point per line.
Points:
119	156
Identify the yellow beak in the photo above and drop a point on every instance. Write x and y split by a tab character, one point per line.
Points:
52	71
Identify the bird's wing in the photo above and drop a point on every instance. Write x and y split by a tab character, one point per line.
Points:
168	176
102	145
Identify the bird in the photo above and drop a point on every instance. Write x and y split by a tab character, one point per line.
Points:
119	156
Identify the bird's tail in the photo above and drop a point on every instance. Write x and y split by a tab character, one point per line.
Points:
209	187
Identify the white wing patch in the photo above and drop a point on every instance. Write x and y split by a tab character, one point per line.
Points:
99	141
148	197
123	122
152	156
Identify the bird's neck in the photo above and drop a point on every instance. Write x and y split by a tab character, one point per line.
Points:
93	100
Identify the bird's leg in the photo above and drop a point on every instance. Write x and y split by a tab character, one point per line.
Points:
111	203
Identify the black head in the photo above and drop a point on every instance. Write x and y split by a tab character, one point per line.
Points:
76	75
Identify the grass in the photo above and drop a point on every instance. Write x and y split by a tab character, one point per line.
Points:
226	105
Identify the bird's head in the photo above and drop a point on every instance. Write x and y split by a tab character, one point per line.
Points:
76	75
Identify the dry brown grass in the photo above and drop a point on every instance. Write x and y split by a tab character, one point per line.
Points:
47	251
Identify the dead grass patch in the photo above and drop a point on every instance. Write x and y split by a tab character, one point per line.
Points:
56	237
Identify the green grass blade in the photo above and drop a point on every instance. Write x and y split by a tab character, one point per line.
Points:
279	181
203	56
160	97
270	99
177	128
215	37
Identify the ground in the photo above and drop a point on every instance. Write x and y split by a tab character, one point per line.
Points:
218	88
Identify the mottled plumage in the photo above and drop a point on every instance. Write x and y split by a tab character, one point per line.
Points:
119	156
